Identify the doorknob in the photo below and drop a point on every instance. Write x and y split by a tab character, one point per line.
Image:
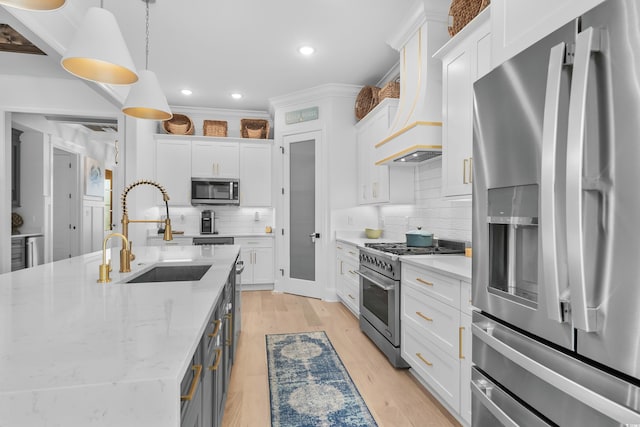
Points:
314	236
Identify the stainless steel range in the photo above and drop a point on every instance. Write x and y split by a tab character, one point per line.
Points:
380	291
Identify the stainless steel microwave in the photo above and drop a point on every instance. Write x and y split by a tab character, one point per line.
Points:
215	191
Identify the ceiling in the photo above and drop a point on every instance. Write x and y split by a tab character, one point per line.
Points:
219	47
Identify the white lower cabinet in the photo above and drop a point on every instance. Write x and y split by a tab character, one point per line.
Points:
347	280
436	334
257	255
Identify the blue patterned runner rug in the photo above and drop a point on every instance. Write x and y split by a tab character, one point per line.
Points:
309	386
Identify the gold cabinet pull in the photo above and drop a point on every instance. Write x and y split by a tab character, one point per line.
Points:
424	282
351	296
229	316
214	367
339	247
426	362
464	171
194	383
460	331
352	253
470	170
216	330
352	272
341	265
428	319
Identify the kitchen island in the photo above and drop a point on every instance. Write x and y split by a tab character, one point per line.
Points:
75	352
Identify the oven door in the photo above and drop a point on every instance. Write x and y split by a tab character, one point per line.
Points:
380	303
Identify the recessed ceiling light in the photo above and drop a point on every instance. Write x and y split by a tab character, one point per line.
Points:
306	50
186	92
236	95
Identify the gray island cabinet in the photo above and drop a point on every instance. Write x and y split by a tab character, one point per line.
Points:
118	354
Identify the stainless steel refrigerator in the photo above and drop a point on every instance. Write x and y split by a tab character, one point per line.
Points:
556	228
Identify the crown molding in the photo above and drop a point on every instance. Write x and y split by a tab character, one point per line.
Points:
318	92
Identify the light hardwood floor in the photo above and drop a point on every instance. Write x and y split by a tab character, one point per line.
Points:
393	396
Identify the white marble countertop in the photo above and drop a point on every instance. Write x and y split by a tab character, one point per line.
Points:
15	236
188	235
458	266
74	352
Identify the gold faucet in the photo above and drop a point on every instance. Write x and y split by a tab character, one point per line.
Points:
106	268
125	252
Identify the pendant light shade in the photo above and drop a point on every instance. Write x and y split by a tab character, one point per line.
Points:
34	4
98	51
146	99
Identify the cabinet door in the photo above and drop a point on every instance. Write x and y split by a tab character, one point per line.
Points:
458	122
465	367
263	265
255	174
246	255
173	170
215	159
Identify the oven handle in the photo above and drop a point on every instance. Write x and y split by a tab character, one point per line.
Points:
378	284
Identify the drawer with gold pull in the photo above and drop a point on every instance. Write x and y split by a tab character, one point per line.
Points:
436	321
436	368
444	288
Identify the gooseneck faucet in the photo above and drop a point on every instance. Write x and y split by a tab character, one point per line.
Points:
106	268
125	252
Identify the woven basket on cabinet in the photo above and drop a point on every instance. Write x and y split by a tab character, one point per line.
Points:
366	101
389	90
214	128
461	12
179	124
254	128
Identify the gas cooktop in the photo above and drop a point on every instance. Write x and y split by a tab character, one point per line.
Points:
444	247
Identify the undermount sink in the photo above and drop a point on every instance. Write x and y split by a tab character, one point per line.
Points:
172	273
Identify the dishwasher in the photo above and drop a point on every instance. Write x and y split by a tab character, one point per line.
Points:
212	240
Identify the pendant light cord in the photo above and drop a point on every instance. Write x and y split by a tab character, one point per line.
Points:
146	56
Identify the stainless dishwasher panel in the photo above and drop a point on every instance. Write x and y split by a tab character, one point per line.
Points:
35	251
212	240
562	388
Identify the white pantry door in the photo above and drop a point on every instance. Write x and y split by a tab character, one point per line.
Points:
302	214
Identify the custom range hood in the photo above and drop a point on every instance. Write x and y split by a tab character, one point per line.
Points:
416	132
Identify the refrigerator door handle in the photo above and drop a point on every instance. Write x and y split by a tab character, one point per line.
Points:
600	403
549	226
583	316
502	406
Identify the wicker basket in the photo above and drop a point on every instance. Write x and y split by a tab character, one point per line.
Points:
214	128
179	124
366	101
254	128
461	12
389	90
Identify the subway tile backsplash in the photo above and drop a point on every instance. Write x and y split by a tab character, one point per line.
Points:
444	217
229	219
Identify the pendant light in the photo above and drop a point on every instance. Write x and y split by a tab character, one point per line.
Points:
98	51
34	4
146	99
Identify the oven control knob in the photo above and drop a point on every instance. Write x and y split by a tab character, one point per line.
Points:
388	267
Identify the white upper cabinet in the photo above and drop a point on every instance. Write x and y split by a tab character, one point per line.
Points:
380	184
517	25
255	174
465	58
215	159
173	170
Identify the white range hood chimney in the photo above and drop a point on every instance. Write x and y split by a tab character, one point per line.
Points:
416	132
